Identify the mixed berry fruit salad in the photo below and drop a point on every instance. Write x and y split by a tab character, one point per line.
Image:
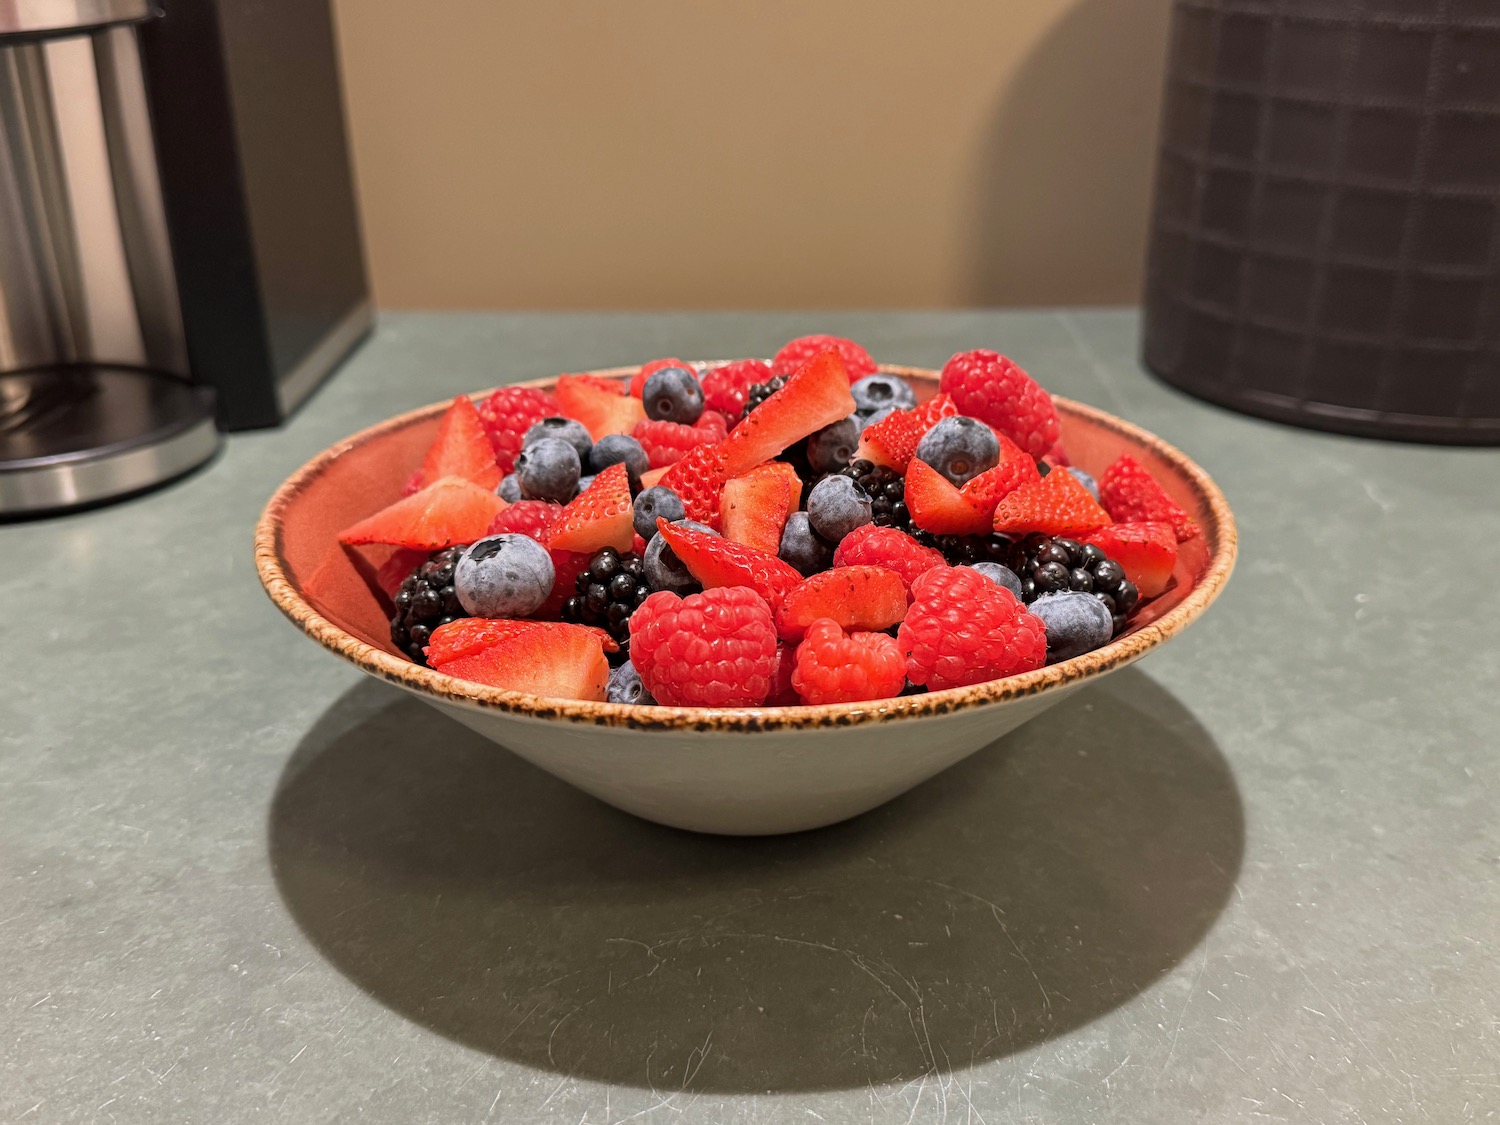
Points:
810	530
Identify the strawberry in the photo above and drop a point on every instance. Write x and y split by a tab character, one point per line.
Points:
718	562
816	396
652	477
938	507
1015	469
638	380
893	440
1055	505
793	481
600	404
461	449
859	598
391	573
551	658
698	479
754	507
1130	494
566	567
1057	456
599	516
445	513
1147	551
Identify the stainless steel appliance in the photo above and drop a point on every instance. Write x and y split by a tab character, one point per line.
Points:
179	248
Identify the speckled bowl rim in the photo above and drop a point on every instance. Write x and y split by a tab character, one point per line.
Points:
1220	533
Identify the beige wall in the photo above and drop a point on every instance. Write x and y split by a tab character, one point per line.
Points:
761	153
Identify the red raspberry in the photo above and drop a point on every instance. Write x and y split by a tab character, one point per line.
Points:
566	567
638	380
888	547
714	649
834	668
782	692
533	518
987	386
508	413
963	629
666	443
795	353
726	388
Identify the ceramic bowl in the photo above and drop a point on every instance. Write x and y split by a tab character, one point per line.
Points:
746	771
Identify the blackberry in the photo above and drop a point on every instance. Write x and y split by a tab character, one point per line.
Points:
759	392
425	601
1049	566
966	550
886	489
609	591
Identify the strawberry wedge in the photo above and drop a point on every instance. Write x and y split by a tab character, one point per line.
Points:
753	508
599	516
444	514
461	449
543	658
600	404
816	396
938	507
1147	551
717	562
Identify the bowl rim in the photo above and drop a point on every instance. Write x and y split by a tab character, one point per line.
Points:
1220	532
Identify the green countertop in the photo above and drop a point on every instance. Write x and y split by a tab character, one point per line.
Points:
1255	878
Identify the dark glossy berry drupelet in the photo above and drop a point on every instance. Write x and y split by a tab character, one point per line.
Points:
609	591
886	489
762	391
425	601
966	550
1049	566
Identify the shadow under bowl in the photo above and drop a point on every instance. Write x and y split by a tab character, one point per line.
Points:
738	771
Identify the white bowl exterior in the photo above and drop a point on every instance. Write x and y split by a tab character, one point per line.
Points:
751	784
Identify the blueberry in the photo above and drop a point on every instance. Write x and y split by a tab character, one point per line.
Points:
673	394
1076	623
1000	576
881	392
503	576
583	484
615	449
831	448
802	547
625	686
509	488
651	503
548	470
960	448
564	429
1086	480
836	506
664	570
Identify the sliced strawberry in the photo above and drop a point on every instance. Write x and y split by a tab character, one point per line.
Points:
1055	505
698	479
1147	551
1015	469
599	516
816	396
652	477
754	507
552	659
893	440
600	404
717	562
864	598
793	481
1057	456
1132	495
461	449
395	569
445	513
469	635
638	380
940	508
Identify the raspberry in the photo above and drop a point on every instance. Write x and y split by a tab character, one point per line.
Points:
835	668
666	443
508	413
885	546
963	629
527	517
714	649
725	388
795	353
985	385
782	692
